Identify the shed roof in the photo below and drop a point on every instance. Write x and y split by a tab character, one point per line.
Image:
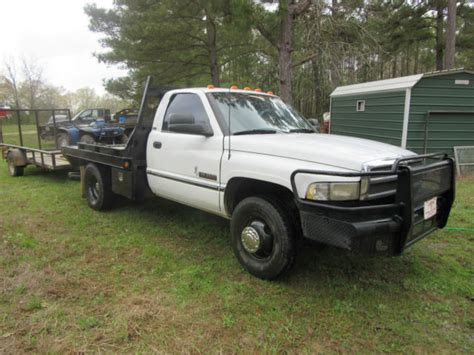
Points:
395	84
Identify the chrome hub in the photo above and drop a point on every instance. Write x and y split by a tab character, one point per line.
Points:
250	239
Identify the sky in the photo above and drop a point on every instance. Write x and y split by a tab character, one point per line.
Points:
56	34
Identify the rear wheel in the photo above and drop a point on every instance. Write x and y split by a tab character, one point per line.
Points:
87	138
62	140
98	187
13	169
263	237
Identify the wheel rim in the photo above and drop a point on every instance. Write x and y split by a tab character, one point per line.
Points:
257	240
94	189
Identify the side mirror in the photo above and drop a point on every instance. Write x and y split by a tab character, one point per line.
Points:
181	123
315	123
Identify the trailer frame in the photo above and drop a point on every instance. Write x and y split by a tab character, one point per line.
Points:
22	155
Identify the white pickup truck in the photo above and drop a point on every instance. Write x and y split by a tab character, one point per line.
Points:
249	157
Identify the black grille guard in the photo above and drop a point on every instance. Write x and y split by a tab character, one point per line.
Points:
406	208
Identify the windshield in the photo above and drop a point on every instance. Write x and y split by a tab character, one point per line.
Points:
253	113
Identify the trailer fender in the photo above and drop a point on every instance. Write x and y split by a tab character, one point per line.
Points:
4	152
18	156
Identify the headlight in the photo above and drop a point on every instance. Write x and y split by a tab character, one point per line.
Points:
337	191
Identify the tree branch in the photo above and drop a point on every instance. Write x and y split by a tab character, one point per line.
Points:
305	60
299	8
266	34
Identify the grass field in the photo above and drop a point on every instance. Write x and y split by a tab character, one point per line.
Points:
158	276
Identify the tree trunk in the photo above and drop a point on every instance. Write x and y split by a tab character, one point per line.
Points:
285	71
417	54
407	62
439	38
451	35
212	49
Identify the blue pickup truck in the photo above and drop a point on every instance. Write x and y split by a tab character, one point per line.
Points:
88	126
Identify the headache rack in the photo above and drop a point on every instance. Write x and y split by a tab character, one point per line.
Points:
414	180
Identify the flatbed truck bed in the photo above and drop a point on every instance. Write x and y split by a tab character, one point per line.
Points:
127	161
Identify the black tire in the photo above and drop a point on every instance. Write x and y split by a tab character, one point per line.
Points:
62	140
277	248
98	187
14	170
88	139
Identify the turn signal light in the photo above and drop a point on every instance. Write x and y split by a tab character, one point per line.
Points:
210	86
126	164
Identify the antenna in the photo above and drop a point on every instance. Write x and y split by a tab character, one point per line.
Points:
230	132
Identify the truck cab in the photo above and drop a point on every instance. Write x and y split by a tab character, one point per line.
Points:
249	157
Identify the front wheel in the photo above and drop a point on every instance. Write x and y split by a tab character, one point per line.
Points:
263	237
98	187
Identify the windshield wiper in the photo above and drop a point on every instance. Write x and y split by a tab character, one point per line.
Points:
301	130
256	131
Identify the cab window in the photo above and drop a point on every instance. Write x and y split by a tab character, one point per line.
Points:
186	104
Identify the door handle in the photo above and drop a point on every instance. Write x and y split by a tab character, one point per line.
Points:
157	145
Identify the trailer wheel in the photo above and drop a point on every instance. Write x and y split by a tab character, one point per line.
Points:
263	237
87	138
13	169
98	187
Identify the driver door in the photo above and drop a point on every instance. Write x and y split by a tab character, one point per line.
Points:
185	167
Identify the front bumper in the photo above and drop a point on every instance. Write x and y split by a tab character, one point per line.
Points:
384	228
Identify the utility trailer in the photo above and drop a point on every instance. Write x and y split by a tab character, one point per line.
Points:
21	142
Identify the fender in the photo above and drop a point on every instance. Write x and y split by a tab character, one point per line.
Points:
73	134
94	131
274	169
19	157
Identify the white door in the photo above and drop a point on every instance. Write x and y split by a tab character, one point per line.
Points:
185	167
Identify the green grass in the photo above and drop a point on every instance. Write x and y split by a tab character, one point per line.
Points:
158	276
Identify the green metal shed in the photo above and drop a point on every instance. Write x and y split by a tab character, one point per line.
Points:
429	112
